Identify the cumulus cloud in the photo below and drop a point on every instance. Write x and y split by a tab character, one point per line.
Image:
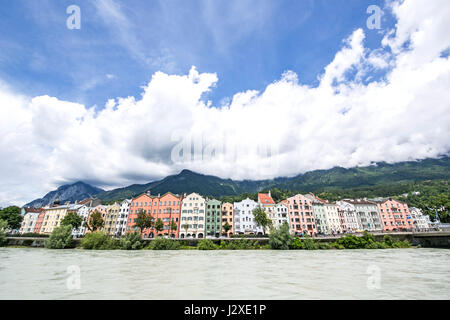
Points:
286	129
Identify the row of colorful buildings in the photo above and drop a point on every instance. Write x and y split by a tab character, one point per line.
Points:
195	216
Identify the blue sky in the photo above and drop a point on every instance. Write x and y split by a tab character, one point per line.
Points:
249	44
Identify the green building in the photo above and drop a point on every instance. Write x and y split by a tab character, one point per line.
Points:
213	218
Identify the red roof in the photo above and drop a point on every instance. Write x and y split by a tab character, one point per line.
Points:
264	198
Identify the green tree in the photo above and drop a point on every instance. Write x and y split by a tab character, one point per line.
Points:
98	240
143	220
159	225
261	218
60	238
3	227
72	219
132	241
95	221
206	244
226	227
164	244
12	216
280	239
173	226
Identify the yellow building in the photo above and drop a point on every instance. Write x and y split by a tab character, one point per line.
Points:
111	215
53	217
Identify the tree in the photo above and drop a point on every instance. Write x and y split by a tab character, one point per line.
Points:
280	239
261	218
95	221
3	227
185	227
72	219
226	227
173	226
143	220
60	238
159	225
12	216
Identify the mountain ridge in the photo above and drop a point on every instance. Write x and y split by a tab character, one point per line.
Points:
317	180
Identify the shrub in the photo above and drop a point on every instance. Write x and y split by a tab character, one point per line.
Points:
401	244
309	243
350	242
60	238
206	244
388	240
3	227
98	240
132	241
164	244
296	244
280	239
324	245
336	245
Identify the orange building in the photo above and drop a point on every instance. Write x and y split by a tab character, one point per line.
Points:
395	215
227	216
40	219
166	207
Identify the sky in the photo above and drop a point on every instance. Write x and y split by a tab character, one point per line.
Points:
245	89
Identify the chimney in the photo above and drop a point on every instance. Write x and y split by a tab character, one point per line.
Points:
148	192
269	194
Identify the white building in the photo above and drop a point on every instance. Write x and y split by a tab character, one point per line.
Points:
29	222
192	224
83	211
420	221
351	221
244	221
280	216
122	219
366	213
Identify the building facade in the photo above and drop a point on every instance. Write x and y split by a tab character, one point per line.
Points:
280	215
395	215
228	218
367	215
244	220
266	202
420	221
53	217
122	219
301	216
348	218
193	215
111	216
166	208
29	222
213	224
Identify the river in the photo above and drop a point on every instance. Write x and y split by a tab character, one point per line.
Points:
38	273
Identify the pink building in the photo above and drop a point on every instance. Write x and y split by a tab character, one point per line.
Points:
395	215
301	217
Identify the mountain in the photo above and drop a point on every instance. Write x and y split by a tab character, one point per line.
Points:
69	192
318	180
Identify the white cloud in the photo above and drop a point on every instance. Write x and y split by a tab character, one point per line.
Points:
45	141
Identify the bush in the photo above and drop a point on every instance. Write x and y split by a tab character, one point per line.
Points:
60	238
388	240
3	227
132	241
309	243
164	244
336	245
401	244
324	245
296	244
280	239
98	240
206	244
